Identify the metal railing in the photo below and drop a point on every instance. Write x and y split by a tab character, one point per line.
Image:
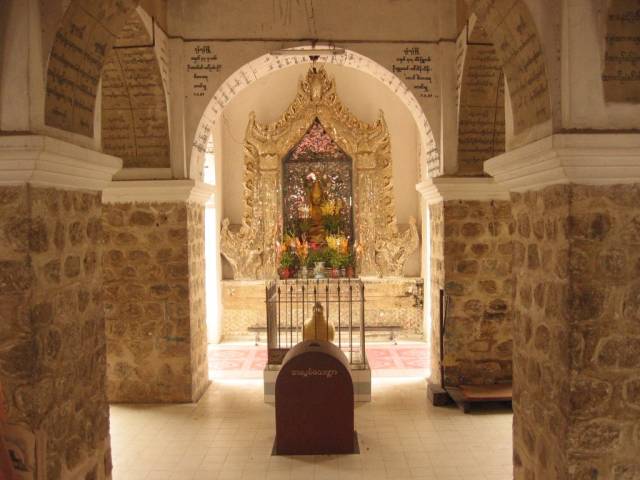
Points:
290	304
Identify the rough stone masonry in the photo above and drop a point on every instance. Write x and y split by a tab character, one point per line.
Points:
471	258
577	332
52	343
154	302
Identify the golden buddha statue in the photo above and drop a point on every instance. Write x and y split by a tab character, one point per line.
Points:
316	233
318	328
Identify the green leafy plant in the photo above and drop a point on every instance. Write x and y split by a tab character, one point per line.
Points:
344	260
288	260
304	224
334	259
313	257
331	224
319	255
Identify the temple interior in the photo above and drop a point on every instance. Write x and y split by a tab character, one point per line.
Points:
444	192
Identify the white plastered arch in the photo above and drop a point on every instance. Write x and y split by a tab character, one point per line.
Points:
266	64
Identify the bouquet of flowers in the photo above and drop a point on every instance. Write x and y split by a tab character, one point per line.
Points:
302	250
331	216
339	243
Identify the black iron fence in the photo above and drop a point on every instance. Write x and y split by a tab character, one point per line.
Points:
291	304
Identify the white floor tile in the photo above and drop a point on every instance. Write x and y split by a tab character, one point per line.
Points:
229	435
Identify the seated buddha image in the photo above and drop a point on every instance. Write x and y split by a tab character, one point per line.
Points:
316	233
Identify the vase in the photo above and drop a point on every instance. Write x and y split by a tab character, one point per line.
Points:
304	272
318	270
350	272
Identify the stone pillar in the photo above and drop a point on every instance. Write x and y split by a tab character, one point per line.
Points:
577	395
52	341
477	279
154	291
470	232
577	302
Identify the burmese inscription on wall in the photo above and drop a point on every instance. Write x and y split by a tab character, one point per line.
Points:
515	39
621	76
81	44
203	63
117	120
481	114
416	70
134	117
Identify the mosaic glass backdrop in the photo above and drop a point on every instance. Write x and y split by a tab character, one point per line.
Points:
317	156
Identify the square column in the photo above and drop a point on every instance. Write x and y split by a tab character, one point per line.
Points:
154	291
52	341
576	260
470	257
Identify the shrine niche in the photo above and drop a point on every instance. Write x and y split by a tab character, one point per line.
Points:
317	178
317	185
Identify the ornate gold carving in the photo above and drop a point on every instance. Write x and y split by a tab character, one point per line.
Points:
251	252
240	250
392	253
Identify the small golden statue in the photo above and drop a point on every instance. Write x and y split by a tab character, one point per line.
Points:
318	328
316	232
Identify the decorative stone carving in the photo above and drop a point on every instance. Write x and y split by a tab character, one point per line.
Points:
392	253
251	251
238	249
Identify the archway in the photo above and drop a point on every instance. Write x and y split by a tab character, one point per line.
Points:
262	66
83	41
298	70
513	32
80	122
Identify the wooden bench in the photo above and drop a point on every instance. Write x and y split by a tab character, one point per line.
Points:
467	395
392	329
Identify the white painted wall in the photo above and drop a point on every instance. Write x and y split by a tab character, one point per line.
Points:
361	93
339	19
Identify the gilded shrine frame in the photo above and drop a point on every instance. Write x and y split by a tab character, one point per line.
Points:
251	250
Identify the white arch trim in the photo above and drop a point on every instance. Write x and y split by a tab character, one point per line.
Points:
266	64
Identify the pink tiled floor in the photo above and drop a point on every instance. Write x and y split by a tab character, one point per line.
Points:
236	360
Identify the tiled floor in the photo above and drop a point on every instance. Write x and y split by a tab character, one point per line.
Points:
246	360
229	435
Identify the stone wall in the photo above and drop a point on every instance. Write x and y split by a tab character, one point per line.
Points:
152	304
478	283
577	340
541	339
52	344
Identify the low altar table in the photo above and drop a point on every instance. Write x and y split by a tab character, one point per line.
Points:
393	301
